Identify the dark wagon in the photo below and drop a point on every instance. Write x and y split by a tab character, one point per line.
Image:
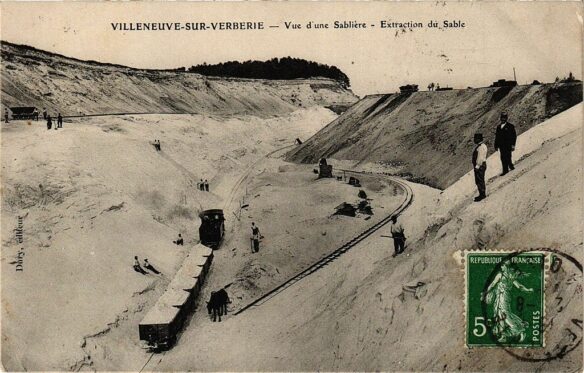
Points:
212	228
164	321
24	112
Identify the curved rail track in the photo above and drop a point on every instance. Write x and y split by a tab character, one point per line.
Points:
409	197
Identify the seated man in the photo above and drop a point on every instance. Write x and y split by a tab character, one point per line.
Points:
137	267
150	267
179	240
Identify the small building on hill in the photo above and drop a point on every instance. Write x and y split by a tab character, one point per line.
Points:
408	88
504	83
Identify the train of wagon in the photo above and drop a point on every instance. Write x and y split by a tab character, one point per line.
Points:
162	324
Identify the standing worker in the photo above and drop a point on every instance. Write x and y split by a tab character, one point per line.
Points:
505	139
49	122
45	115
398	235
206	186
255	237
479	162
6	115
59	121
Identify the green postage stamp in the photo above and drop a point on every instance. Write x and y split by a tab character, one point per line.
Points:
505	299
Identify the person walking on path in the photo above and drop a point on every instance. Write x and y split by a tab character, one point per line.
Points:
255	238
505	139
59	121
137	266
479	162
49	122
398	235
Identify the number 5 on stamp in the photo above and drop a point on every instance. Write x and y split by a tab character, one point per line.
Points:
504	299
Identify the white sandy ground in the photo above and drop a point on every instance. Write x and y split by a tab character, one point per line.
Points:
356	315
106	196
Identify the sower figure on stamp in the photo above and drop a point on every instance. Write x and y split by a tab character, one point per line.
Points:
498	294
479	162
398	235
505	139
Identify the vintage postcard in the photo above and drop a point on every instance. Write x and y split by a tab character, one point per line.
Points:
291	186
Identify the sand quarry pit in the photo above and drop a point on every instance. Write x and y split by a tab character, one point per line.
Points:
95	193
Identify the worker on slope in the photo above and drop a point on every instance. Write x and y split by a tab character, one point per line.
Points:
255	237
479	162
150	267
398	235
505	139
179	241
137	266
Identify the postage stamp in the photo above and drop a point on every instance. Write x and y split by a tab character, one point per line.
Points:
505	302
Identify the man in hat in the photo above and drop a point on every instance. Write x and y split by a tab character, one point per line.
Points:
479	162
505	138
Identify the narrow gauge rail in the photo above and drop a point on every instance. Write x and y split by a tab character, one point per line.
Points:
409	197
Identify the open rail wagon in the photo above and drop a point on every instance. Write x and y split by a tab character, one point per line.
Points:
24	112
212	228
164	321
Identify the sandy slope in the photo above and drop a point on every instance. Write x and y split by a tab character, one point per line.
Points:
356	315
95	194
32	77
425	136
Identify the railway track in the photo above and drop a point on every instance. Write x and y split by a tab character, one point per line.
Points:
323	262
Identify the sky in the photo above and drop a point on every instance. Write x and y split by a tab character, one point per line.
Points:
540	40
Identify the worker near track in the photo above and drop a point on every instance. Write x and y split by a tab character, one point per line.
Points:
137	266
201	185
206	186
398	235
6	115
59	121
49	122
255	238
479	163
45	115
505	139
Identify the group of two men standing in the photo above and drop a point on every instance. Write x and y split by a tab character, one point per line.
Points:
505	139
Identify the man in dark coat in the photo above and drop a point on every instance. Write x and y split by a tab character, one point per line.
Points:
479	162
505	138
49	122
